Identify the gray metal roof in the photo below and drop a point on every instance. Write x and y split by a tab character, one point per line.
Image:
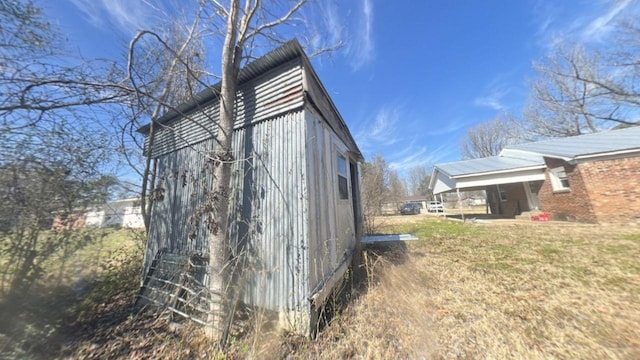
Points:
531	155
489	165
583	145
283	54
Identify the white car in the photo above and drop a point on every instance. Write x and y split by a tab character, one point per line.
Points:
435	206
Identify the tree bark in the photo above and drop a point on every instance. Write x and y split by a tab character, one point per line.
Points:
218	241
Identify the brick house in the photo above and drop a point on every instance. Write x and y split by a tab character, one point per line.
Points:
591	178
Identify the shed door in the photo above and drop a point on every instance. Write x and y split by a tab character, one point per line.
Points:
345	231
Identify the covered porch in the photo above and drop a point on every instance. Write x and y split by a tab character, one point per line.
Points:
511	184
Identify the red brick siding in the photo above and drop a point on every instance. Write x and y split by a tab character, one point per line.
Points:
614	189
601	191
72	221
573	204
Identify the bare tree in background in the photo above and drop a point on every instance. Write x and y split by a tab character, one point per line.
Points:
424	189
53	148
39	97
397	188
580	90
374	191
561	104
416	178
489	138
166	68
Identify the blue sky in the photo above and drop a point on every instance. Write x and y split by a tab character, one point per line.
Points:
412	76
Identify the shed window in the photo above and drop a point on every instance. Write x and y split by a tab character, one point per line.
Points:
559	179
343	183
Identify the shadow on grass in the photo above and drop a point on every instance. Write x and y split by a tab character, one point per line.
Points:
32	325
394	252
99	322
50	320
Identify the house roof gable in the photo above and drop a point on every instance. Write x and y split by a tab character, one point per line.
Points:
524	161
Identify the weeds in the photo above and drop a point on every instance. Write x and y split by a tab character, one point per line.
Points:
495	291
462	291
73	285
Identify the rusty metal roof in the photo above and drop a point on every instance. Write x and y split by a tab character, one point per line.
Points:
283	54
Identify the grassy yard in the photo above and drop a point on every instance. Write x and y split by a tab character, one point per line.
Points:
496	290
528	290
97	272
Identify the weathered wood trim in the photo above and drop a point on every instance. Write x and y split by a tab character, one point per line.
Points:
323	290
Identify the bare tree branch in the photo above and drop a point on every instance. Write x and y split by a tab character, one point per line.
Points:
580	90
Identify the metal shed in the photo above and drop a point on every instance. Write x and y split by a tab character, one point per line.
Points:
295	203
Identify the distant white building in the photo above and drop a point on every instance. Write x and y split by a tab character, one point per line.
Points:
124	213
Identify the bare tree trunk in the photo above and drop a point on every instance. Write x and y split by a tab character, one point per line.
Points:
218	243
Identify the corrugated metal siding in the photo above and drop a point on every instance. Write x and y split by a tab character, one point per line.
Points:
320	225
277	92
185	177
269	213
272	60
322	102
284	211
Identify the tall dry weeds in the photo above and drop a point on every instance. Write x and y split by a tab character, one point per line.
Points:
533	291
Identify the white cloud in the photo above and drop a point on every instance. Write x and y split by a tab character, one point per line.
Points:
421	156
332	21
325	28
490	101
599	27
493	99
443	152
361	48
124	16
416	158
385	125
404	143
560	22
545	15
449	127
382	132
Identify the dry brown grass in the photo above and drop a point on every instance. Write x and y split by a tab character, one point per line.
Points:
497	290
528	290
